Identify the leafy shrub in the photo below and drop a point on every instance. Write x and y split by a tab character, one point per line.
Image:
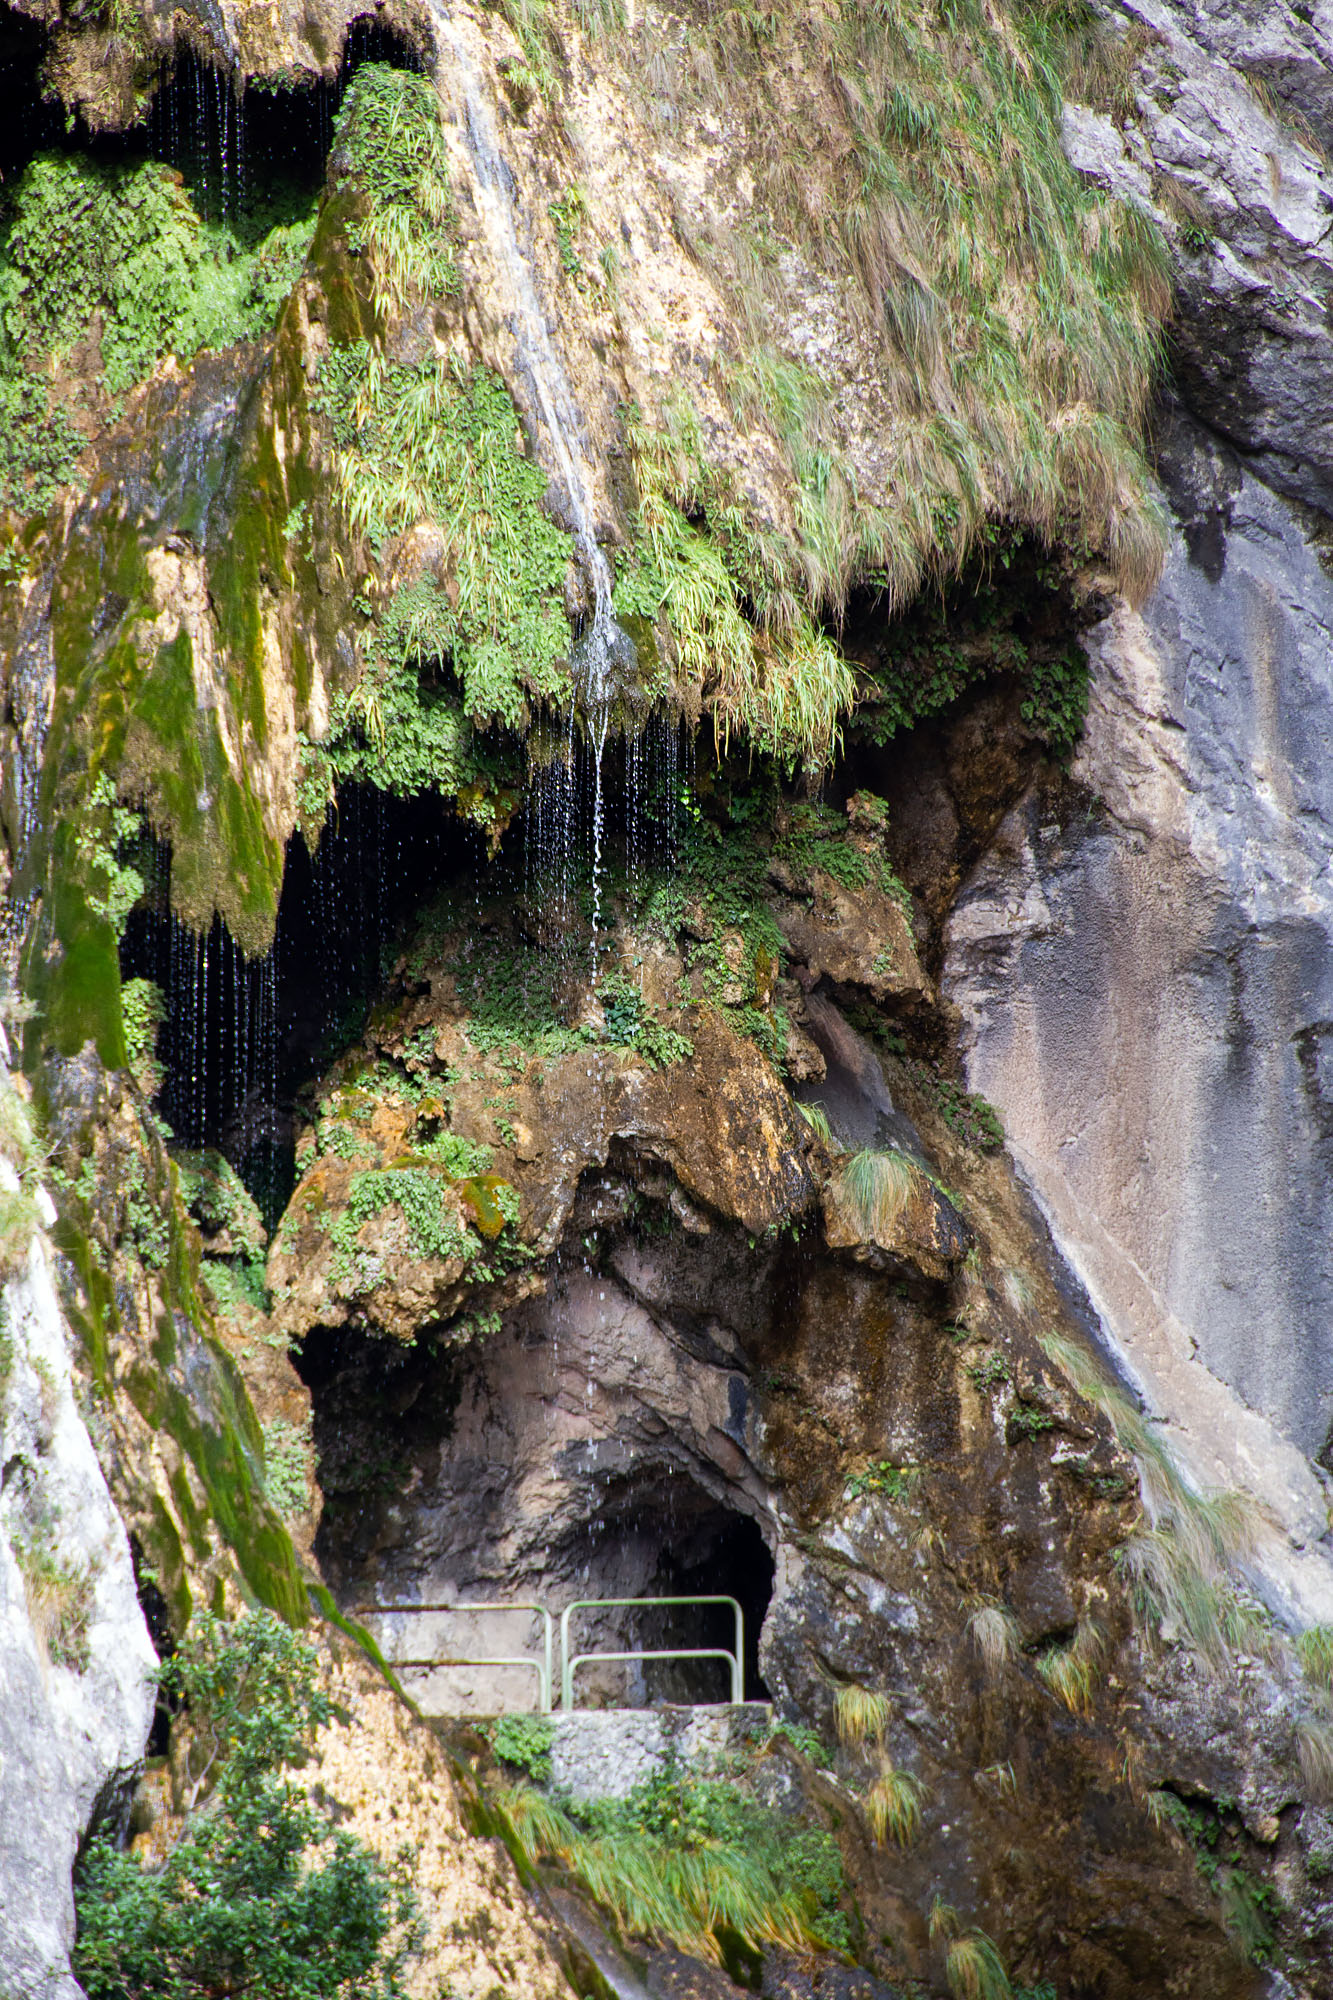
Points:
260	1894
524	1741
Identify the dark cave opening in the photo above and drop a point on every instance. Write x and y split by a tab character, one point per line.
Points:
700	1548
251	154
240	1038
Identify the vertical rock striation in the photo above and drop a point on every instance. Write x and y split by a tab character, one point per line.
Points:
1145	968
76	1661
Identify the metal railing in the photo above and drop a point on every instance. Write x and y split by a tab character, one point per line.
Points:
544	1667
569	1664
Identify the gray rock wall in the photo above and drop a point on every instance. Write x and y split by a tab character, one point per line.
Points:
1146	979
76	1661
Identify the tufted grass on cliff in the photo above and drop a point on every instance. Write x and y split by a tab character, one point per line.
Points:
877	1187
972	1963
993	1630
893	1806
1018	311
1070	1671
1178	1566
688	1862
860	1715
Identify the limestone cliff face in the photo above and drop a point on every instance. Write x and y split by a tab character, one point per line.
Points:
1143	966
632	1229
77	1667
1144	971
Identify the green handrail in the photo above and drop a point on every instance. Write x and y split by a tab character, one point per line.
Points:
568	1664
544	1668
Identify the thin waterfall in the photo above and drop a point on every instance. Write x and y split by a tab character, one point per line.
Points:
603	656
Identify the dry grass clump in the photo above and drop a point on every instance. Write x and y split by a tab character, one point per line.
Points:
972	1963
993	1630
1178	1566
1018	310
893	1806
877	1187
1070	1672
1314	1746
859	1715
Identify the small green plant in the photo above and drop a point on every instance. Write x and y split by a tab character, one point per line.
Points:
260	1893
524	1742
992	1372
894	1482
286	1465
801	1737
1027	1421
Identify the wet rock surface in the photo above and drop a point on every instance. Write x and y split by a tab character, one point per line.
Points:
1166	920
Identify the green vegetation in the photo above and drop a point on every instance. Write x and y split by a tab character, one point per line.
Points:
286	1466
808	1741
782	689
479	635
440	443
143	1010
1215	1832
687	1860
259	1893
631	1024
120	249
524	1743
1017	310
391	148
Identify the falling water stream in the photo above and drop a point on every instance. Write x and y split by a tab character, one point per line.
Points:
603	656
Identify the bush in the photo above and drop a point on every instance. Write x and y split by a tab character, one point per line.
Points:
260	1894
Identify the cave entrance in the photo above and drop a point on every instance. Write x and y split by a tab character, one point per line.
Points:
714	1553
251	156
241	1038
